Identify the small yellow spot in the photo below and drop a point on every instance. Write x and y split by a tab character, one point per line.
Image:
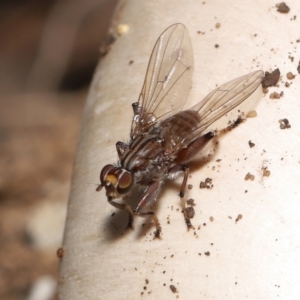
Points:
111	179
252	114
122	29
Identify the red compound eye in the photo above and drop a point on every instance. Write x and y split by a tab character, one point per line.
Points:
125	182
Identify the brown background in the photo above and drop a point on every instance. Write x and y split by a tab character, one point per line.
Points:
43	90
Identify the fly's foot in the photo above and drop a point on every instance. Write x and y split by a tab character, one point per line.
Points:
130	222
157	233
188	213
190	226
130	226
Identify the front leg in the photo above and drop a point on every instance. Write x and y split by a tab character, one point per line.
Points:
148	196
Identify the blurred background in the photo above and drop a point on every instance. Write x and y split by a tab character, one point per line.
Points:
48	53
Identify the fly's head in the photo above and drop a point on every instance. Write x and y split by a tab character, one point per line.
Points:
116	180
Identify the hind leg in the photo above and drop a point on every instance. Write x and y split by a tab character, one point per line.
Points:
173	172
183	156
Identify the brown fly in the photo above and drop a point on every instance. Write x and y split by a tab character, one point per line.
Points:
163	137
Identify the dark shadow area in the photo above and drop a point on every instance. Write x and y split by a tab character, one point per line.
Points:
115	225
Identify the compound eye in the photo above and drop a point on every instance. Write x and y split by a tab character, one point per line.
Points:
125	182
105	171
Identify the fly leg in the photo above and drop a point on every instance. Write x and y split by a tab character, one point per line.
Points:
173	172
148	196
194	147
123	207
183	156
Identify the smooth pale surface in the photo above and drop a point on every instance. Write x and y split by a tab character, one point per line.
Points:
254	258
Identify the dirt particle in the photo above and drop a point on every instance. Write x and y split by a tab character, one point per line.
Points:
190	212
282	8
211	219
298	68
218	25
173	288
207	253
60	253
252	114
168	219
239	217
251	145
206	184
271	79
190	186
249	176
290	75
284	124
190	202
265	172
107	44
276	95
265	90
217	46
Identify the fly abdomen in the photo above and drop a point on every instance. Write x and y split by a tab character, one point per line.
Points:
177	127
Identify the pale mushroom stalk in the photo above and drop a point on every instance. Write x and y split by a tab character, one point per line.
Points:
235	250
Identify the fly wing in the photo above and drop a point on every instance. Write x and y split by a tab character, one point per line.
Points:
213	112
167	82
224	99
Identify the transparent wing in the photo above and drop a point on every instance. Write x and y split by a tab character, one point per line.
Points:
213	112
168	79
224	99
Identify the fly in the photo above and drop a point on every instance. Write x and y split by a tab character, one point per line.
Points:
163	137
